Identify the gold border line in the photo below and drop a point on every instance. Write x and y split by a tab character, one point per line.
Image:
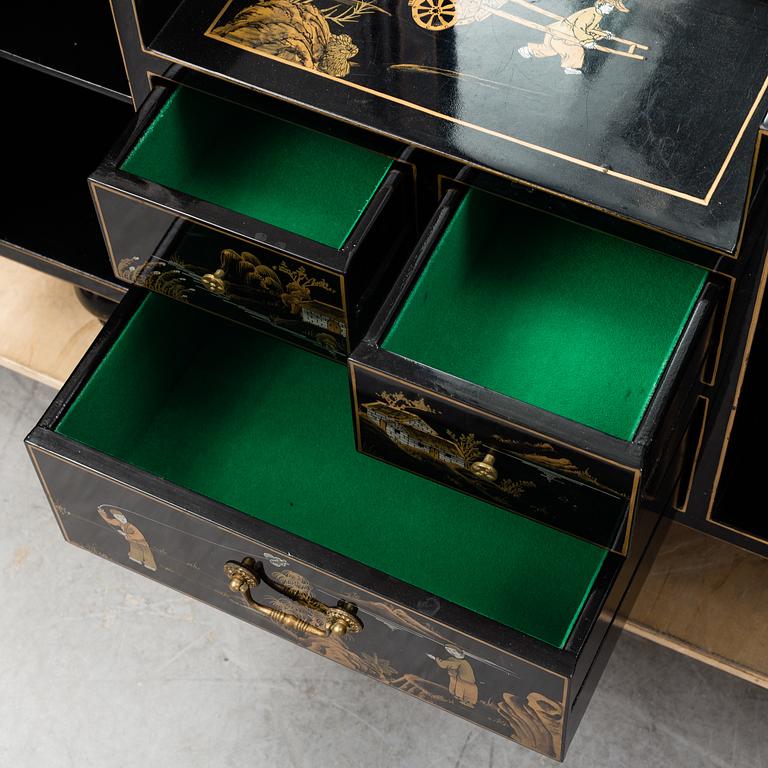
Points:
294	558
497	134
702	429
735	406
636	473
41	476
122	52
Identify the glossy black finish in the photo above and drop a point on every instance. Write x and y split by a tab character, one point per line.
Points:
74	41
191	537
48	221
739	504
172	243
639	138
599	479
139	64
721	497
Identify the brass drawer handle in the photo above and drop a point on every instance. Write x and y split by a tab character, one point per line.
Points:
248	574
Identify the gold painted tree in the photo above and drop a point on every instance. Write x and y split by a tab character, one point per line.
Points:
515	488
468	445
301	281
297	292
400	402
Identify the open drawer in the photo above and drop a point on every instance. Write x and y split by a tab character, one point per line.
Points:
253	216
537	364
181	464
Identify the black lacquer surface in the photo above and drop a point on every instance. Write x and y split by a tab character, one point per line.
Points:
662	132
75	41
49	221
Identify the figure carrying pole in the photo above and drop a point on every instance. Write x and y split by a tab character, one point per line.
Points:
569	37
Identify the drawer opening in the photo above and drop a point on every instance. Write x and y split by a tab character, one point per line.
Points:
554	314
258	165
264	428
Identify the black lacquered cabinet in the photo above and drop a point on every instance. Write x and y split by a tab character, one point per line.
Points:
545	319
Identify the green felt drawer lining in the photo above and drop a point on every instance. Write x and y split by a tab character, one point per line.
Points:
291	177
555	314
265	428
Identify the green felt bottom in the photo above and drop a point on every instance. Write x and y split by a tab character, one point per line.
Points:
263	167
266	428
557	315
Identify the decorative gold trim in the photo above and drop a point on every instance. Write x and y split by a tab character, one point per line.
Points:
296	559
636	473
735	405
139	36
343	291
122	51
682	509
49	495
710	380
497	134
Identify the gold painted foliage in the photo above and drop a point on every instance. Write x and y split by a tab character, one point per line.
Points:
294	30
352	13
515	488
400	402
469	446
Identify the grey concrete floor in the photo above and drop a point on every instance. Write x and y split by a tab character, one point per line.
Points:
100	667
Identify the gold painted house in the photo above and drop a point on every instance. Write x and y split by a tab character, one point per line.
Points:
543	316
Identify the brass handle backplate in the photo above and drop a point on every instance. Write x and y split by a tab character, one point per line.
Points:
248	574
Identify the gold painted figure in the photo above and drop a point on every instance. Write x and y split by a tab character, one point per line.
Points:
569	37
461	685
138	548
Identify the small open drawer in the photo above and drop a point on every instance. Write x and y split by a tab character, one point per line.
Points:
537	364
255	217
158	460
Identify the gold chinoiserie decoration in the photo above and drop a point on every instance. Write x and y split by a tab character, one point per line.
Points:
214	282
248	574
485	469
434	15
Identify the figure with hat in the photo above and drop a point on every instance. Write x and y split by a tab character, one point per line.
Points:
569	37
461	677
138	548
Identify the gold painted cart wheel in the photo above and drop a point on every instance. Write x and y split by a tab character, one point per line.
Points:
434	15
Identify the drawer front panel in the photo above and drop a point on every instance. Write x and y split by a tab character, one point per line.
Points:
396	646
243	280
445	440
